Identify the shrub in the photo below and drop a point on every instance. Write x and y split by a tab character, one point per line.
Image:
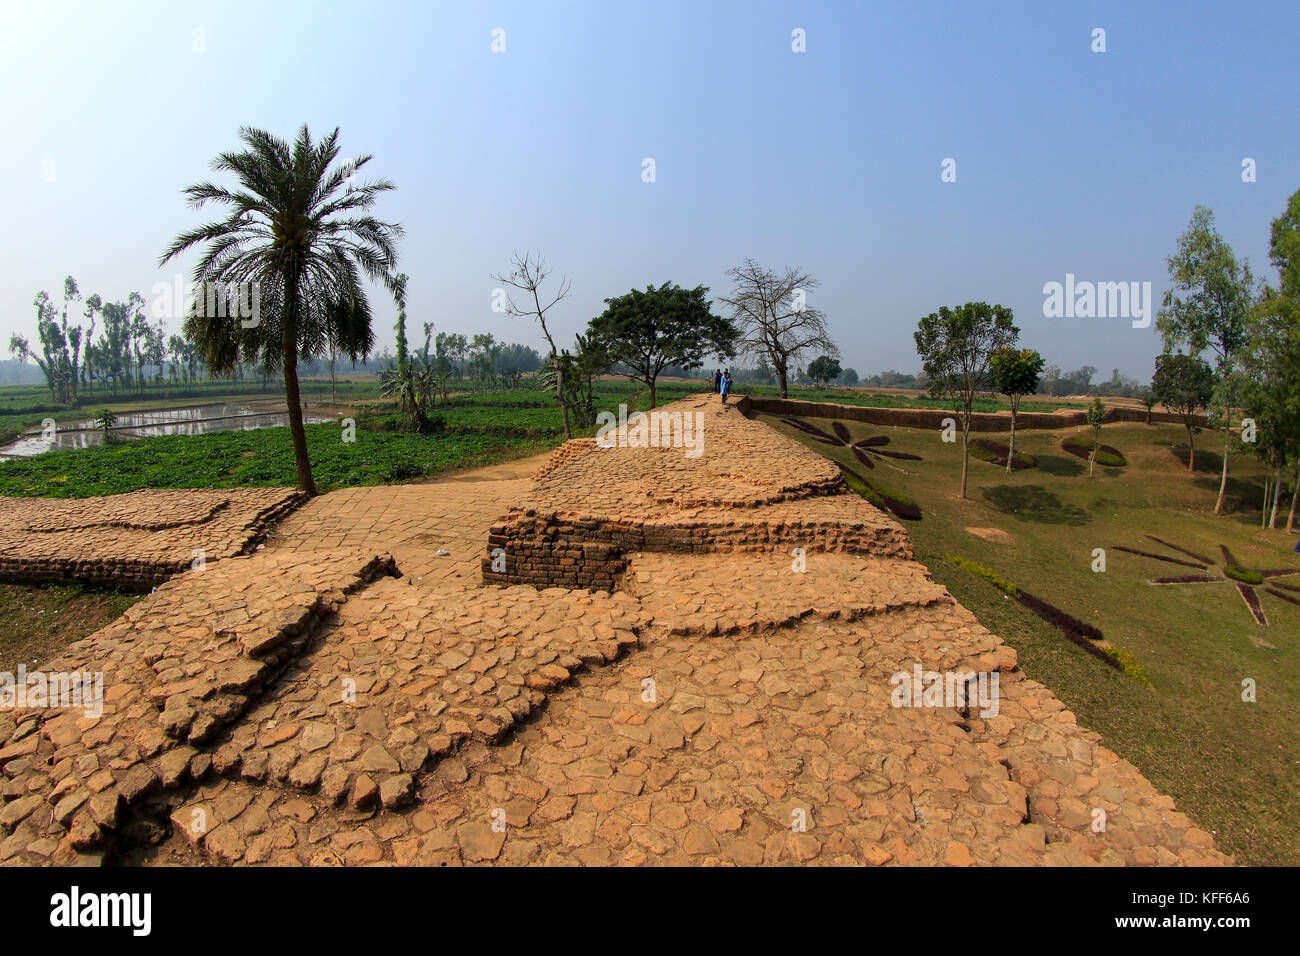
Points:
402	470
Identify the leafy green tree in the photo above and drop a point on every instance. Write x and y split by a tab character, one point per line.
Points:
299	231
1096	417
1271	360
1184	384
661	327
1015	374
1206	308
824	369
956	346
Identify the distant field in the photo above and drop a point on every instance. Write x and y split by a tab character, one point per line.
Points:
1234	767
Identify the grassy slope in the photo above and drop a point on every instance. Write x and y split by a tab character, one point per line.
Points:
1232	766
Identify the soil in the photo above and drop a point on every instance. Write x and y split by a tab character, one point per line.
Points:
37	623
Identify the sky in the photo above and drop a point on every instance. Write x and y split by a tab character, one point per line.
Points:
1067	161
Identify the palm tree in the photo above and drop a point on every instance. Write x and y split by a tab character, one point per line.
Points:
297	241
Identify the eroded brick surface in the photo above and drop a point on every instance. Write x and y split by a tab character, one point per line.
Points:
306	705
136	540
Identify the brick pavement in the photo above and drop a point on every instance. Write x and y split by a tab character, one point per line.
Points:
350	695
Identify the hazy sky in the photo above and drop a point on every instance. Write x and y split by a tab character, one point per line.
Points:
1067	161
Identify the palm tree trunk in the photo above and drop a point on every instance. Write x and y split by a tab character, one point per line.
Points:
1191	450
289	347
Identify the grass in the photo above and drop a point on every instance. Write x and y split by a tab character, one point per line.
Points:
1234	767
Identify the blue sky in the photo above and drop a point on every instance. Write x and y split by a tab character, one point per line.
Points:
1068	161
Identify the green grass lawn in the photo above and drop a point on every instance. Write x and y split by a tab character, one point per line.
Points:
1232	766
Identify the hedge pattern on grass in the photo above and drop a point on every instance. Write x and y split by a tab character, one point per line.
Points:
1191	554
1161	557
995	453
882	496
1244	575
1187	579
1081	447
1285	597
1078	632
840	437
1252	602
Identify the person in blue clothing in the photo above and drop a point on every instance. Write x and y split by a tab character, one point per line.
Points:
725	386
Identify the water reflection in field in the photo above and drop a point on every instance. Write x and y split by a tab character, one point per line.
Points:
190	420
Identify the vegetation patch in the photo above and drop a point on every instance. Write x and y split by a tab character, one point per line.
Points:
1244	575
882	496
1161	557
1084	635
259	458
1191	554
995	452
1081	447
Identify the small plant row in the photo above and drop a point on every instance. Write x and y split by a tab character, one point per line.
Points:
1078	632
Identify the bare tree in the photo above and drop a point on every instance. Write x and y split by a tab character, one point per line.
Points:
773	316
527	275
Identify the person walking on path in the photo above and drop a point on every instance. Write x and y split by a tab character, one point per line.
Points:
717	379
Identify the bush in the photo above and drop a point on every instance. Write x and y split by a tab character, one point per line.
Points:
403	470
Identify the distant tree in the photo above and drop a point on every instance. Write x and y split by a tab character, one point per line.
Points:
1206	308
301	233
956	347
824	369
1148	398
776	323
1096	417
1184	384
849	377
1015	375
527	275
660	327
